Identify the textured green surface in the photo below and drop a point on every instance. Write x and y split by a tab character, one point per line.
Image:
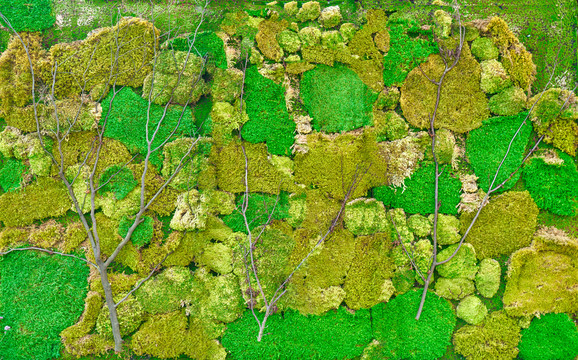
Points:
41	296
259	209
118	180
27	15
553	336
11	172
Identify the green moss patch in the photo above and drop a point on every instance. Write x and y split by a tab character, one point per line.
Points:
550	337
487	146
11	172
260	208
205	43
41	296
337	99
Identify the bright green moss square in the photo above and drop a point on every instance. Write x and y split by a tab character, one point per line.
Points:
41	296
258	210
143	233
11	174
550	337
337	99
118	180
28	15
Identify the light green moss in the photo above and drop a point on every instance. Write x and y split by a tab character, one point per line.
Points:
289	41
448	230
226	85
167	291
193	208
130	316
309	11
443	23
542	277
496	338
297	210
488	277
310	36
472	310
494	77
483	48
366	217
291	8
389	125
224	119
445	143
454	289
388	99
348	31
420	225
463	106
462	265
332	39
330	17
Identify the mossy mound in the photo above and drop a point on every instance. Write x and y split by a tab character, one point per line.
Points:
260	209
550	337
472	310
267	38
454	289
417	196
462	265
508	102
336	99
484	49
401	336
497	337
463	106
166	291
551	177
196	169
505	225
130	316
366	217
488	277
542	277
494	77
268	118
496	134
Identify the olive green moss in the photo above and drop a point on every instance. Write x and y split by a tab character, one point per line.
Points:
268	118
448	230
551	177
90	59
368	279
554	115
462	265
294	336
330	17
177	78
462	107
226	85
389	126
310	36
272	259
552	336
12	236
167	291
388	99
508	102
35	286
43	198
505	225
496	134
289	41
332	39
267	38
309	11
170	335
472	310
488	277
420	225
263	176
130	316
401	336
541	278
316	286
454	289
496	338
417	195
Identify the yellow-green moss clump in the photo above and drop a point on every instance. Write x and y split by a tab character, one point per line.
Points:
505	225
165	85
496	338
44	198
368	279
463	106
484	49
267	38
555	116
462	265
516	59
130	316
508	102
193	208
170	335
454	289
78	340
366	216
137	48
472	310
542	278
26	147
494	77
167	291
488	277
448	231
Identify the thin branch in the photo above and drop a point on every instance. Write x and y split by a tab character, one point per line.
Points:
51	252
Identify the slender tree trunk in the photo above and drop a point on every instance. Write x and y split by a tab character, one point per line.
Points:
111	307
262	327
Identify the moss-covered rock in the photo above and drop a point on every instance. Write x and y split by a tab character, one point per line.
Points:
483	48
494	77
463	106
310	36
454	289
462	265
330	17
472	310
504	225
420	225
508	102
542	278
496	338
488	277
309	11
